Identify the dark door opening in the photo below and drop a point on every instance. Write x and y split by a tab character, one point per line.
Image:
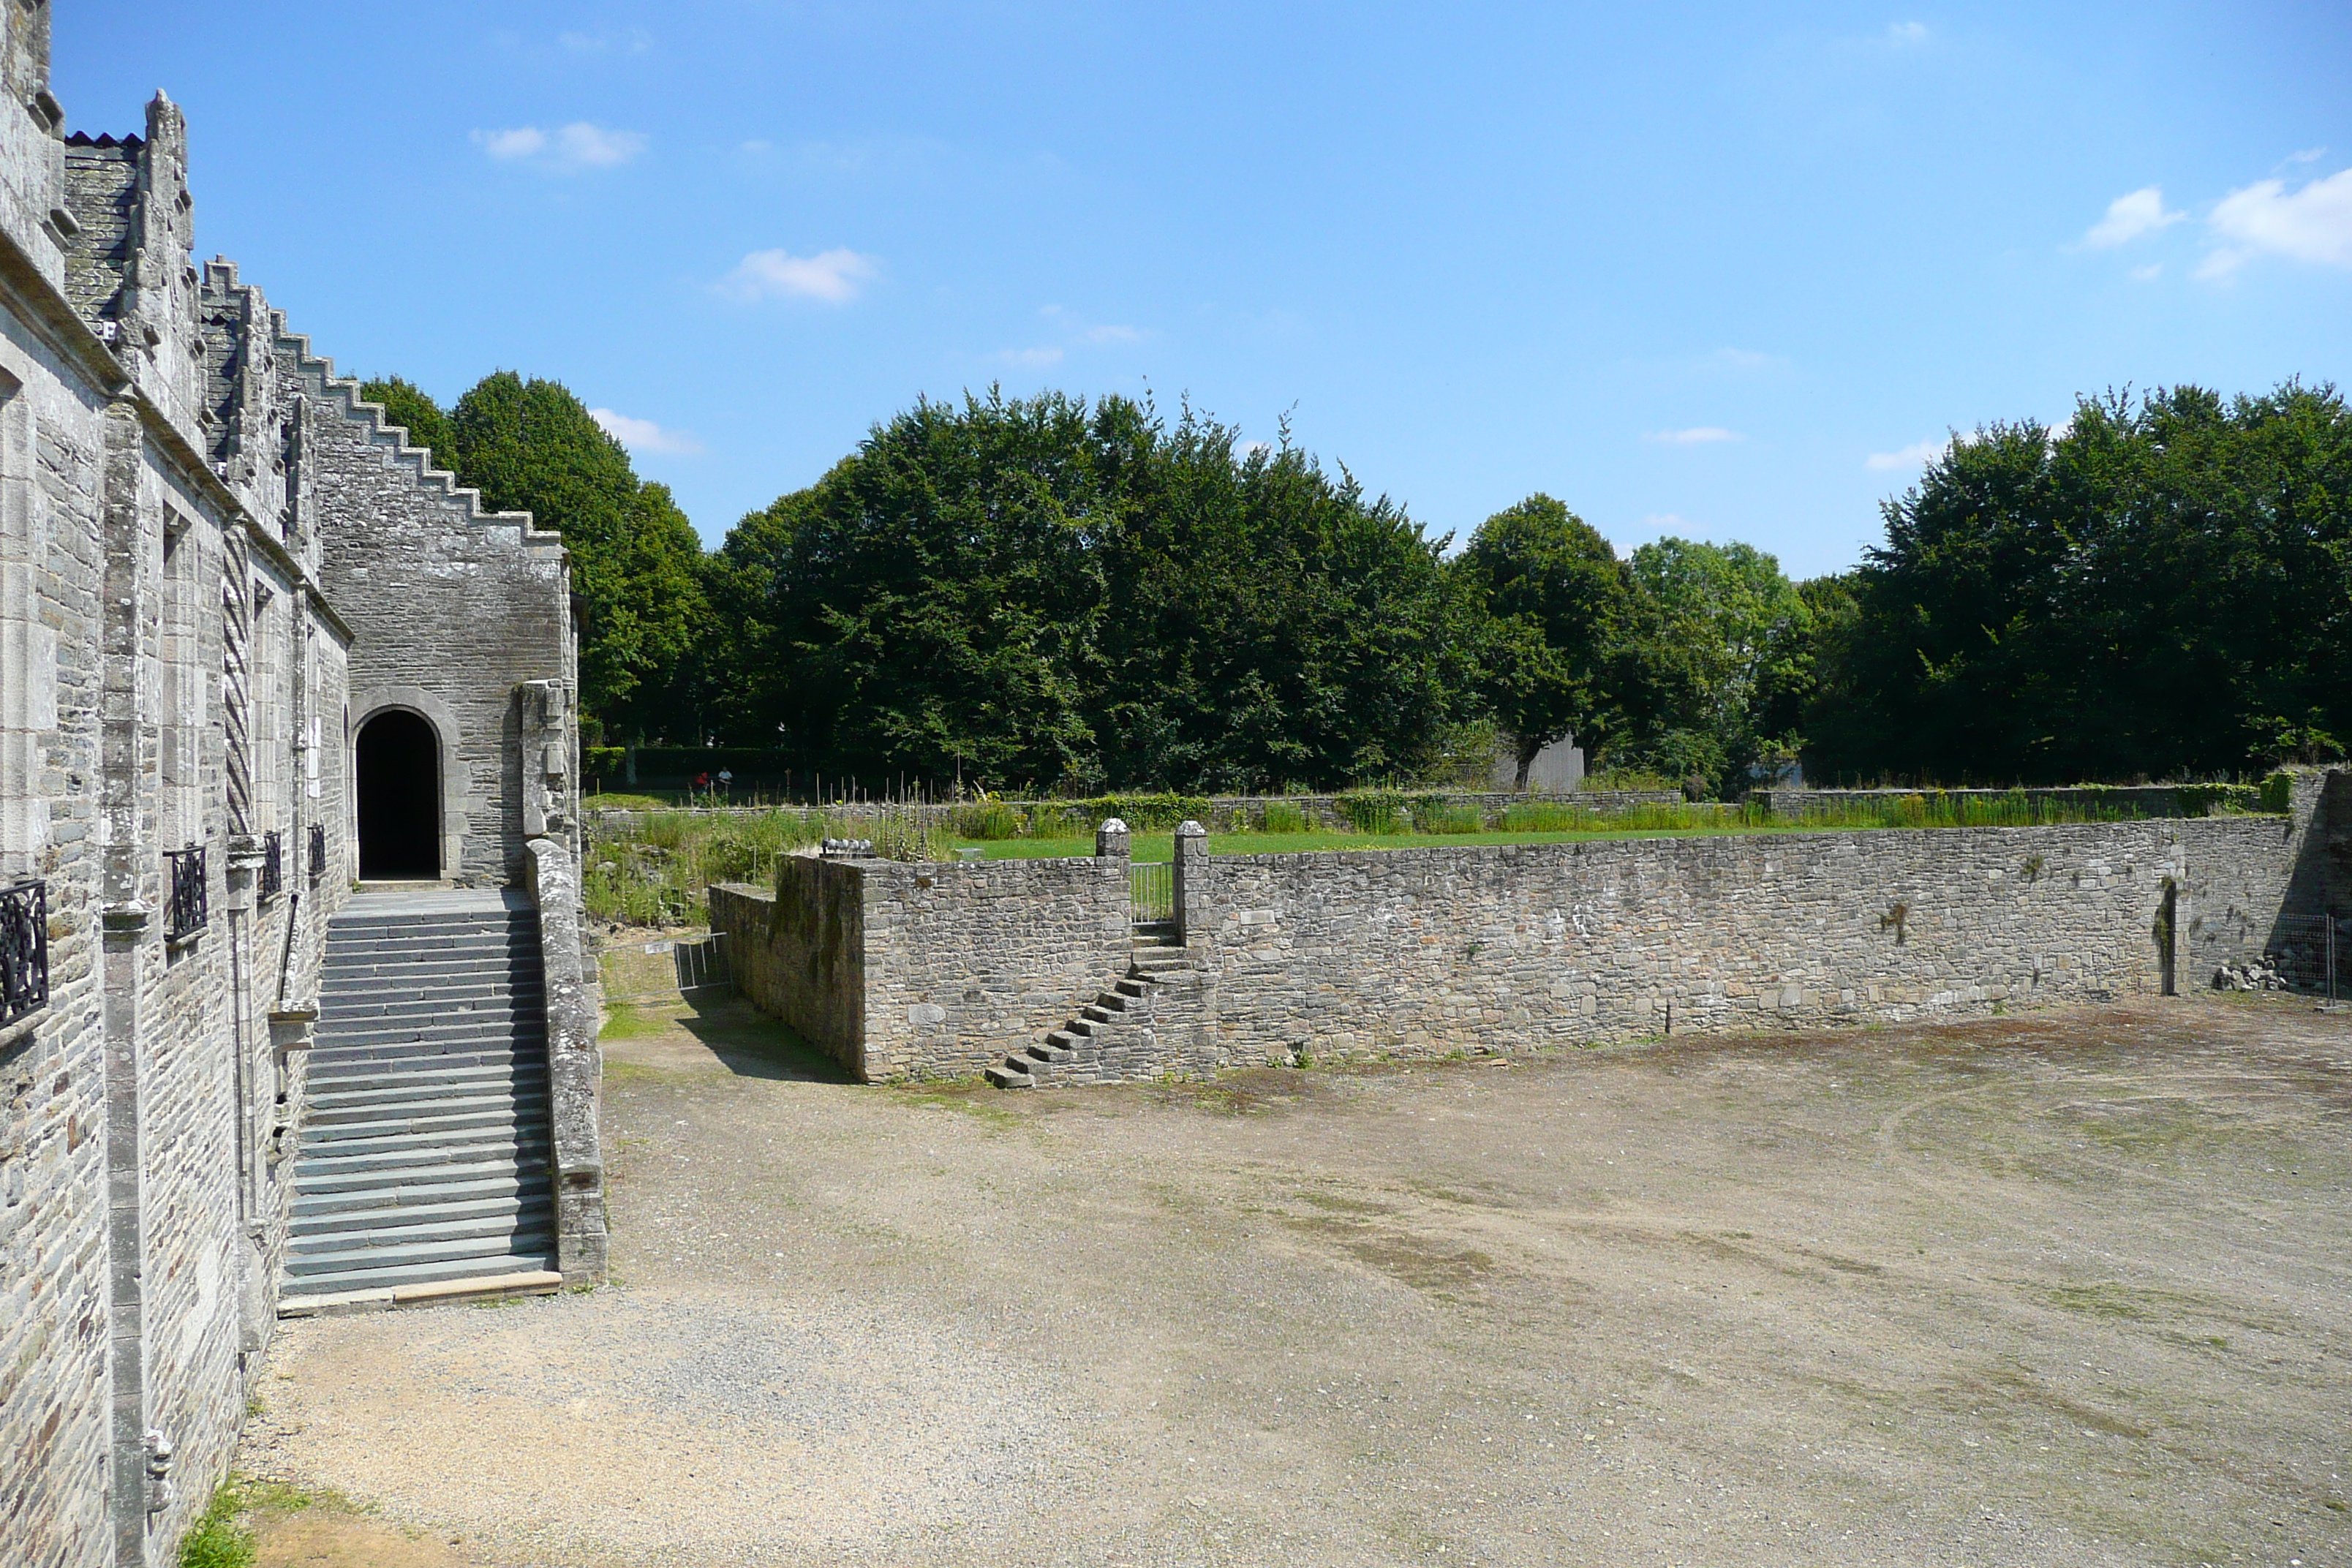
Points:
399	797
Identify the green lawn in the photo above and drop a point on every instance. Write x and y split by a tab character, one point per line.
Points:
1152	846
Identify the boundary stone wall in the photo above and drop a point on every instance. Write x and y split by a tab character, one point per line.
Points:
903	970
926	970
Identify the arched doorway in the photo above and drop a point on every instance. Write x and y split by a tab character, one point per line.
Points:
399	775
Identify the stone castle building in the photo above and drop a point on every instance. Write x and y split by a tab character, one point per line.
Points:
252	650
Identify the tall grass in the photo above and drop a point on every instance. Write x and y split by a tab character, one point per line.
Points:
653	873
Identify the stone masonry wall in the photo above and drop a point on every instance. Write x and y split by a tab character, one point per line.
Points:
799	953
1503	947
1497	948
947	963
452	610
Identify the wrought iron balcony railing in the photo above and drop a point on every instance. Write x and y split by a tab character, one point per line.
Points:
24	951
186	914
317	866
273	863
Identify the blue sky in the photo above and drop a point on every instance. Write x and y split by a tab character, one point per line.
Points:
1725	272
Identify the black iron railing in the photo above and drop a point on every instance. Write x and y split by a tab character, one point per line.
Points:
317	866
24	951
273	864
186	914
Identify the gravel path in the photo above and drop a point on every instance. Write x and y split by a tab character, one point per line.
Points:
2068	1288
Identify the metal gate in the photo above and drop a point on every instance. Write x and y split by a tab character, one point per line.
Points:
1153	891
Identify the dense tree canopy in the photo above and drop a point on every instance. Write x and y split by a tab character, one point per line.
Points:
636	566
1559	604
1050	592
1043	592
2161	589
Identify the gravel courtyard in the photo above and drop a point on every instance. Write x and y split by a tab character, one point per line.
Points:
2060	1288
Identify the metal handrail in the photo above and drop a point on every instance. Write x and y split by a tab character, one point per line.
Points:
24	951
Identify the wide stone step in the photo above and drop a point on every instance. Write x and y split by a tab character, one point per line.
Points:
496	1232
357	1092
494	1182
491	1207
362	974
320	1177
1006	1077
347	923
422	1068
378	1121
460	1001
365	1035
424	1098
382	1276
395	1151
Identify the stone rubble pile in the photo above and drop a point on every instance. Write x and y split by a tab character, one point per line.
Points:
2256	974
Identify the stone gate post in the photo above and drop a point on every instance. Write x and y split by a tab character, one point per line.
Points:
1111	840
1191	881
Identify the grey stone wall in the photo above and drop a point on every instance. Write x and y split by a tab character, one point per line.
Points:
453	611
798	951
1500	948
924	971
164	647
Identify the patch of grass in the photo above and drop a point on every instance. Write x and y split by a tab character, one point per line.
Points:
620	802
627	1023
219	1538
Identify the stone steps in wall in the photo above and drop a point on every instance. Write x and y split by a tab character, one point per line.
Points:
423	1161
1076	1052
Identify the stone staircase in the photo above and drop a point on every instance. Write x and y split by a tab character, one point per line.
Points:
1113	1040
423	1169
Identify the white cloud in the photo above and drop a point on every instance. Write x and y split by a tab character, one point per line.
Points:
1744	359
634	40
1697	436
645	435
2147	274
1032	359
2308	155
834	277
2313	224
1113	334
522	141
1911	457
1903	35
567	150
2130	217
757	145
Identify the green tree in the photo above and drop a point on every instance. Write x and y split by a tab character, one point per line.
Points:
410	407
1557	600
1706	624
2161	588
532	446
1044	591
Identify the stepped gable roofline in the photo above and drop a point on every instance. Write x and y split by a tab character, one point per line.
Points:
383	433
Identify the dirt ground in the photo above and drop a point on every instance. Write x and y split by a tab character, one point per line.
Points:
2060	1288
